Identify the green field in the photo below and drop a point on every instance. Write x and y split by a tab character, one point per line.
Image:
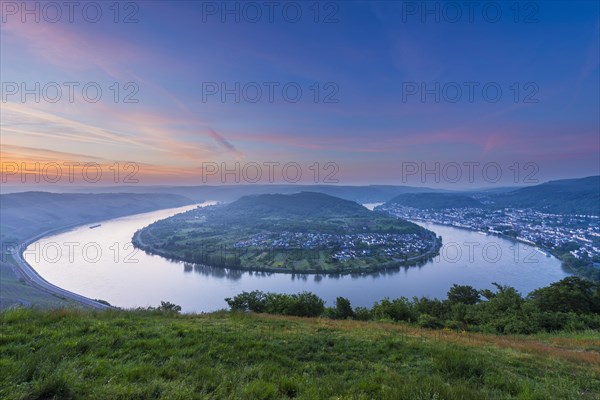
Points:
70	354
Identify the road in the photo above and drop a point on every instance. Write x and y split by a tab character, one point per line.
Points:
34	279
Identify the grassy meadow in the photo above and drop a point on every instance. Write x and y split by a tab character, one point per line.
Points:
72	354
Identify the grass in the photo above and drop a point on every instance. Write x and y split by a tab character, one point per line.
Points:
72	354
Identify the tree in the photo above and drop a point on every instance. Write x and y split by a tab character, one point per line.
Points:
307	304
464	294
362	314
571	294
169	307
398	310
435	307
343	309
254	301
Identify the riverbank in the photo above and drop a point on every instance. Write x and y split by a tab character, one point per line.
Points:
28	278
26	217
541	249
32	278
496	234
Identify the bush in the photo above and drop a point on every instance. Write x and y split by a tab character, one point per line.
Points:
165	306
362	314
304	304
169	307
254	301
428	321
435	307
550	322
504	312
397	310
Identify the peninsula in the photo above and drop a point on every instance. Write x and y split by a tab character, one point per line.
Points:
305	232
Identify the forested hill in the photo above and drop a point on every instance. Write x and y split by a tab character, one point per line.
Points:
435	200
566	196
300	205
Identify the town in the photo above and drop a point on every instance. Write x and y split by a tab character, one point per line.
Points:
345	247
578	235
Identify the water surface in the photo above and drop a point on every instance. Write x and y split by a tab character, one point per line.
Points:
101	263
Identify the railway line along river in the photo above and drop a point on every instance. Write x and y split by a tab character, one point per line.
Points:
101	263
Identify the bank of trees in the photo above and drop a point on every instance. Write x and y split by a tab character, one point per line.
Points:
570	304
303	304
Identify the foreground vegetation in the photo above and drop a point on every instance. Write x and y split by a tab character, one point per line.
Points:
70	354
571	304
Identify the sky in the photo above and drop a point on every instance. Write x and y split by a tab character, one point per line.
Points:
436	94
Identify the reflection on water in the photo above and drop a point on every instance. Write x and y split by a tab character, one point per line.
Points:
100	263
235	274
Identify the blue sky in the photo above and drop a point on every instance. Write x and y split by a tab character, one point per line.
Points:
386	76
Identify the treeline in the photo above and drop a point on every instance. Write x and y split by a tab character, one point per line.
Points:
571	304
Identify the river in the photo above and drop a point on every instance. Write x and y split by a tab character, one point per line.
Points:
100	263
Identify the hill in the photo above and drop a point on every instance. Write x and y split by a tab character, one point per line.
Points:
565	196
25	214
435	200
65	354
301	205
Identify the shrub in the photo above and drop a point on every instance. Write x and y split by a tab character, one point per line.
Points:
398	310
428	321
362	314
169	307
304	304
435	307
254	301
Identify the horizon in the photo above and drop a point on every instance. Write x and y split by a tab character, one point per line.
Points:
20	188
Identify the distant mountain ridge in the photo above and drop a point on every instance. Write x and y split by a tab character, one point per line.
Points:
228	193
435	200
565	196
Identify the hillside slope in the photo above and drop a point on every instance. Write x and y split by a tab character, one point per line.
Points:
435	200
123	355
566	196
28	213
